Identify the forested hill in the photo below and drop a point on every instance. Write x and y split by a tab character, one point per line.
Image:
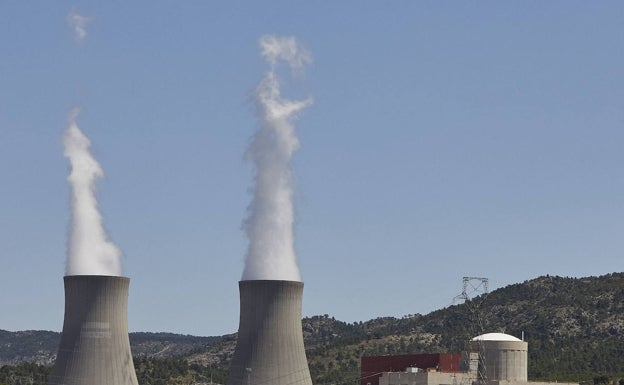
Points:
574	327
40	347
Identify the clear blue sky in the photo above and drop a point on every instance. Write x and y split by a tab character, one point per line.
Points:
446	139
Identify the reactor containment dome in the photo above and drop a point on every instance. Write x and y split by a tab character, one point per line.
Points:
505	356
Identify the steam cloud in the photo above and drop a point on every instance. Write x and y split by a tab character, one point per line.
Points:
269	225
89	252
78	24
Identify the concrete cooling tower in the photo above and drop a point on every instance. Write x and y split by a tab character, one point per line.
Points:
95	348
505	356
269	349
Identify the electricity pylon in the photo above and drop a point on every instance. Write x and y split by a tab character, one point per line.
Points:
474	293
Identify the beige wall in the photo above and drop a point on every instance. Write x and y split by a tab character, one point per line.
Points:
424	378
439	378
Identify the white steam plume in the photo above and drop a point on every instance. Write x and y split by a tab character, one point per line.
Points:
89	252
269	225
287	49
78	24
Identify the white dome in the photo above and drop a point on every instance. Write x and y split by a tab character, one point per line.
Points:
495	337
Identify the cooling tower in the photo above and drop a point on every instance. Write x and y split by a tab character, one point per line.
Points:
95	348
505	356
269	349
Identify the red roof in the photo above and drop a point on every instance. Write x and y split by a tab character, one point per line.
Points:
373	366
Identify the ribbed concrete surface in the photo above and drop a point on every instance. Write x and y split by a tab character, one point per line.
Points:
504	360
95	348
269	349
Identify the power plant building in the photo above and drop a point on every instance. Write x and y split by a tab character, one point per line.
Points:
269	349
503	356
94	347
373	367
414	376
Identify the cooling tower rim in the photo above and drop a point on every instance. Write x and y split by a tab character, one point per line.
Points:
92	276
269	280
257	284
